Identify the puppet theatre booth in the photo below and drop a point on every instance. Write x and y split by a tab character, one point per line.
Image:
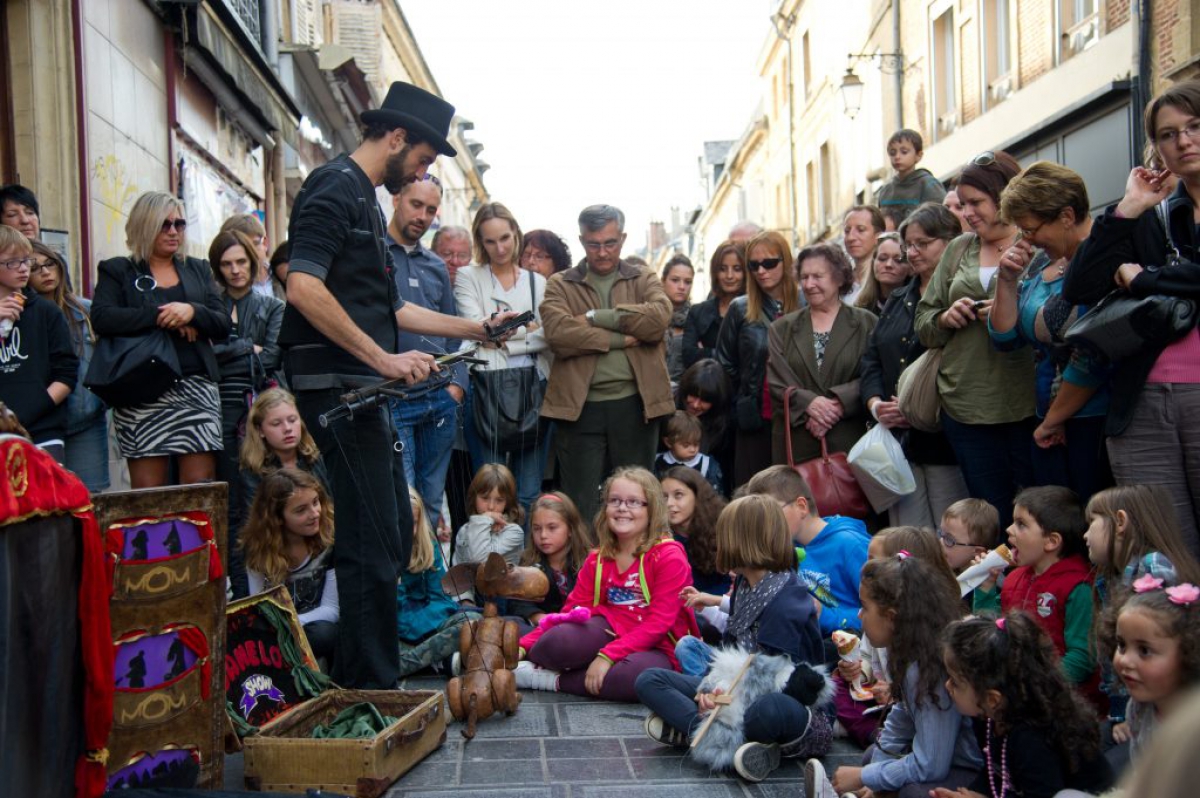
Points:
56	681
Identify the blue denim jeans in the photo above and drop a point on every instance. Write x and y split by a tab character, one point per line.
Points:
694	656
528	466
995	460
426	427
87	454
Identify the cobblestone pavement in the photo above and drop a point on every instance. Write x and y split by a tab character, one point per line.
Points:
564	746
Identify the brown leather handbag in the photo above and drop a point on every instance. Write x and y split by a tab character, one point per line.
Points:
834	488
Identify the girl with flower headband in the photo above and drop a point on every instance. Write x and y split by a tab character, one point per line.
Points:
1153	636
925	743
1038	736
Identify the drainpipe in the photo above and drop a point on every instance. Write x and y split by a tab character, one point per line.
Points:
269	25
791	90
1144	86
899	77
81	149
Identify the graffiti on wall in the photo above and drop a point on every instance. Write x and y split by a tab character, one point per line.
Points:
115	188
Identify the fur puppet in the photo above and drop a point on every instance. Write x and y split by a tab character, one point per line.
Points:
810	685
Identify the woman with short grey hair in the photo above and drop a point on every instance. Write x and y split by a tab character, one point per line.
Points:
156	287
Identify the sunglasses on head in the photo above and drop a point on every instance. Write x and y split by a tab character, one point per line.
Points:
765	263
984	159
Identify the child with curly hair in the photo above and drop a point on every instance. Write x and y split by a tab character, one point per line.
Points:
1037	734
925	742
288	540
692	510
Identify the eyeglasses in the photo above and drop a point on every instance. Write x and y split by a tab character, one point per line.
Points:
633	504
1028	234
16	263
42	266
765	263
1191	130
534	255
920	244
949	542
984	159
179	224
596	246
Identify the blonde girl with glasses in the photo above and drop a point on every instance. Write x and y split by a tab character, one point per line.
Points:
626	612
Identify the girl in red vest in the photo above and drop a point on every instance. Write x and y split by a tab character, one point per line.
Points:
630	589
1052	580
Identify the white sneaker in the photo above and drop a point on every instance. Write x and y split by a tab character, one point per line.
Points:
530	677
456	664
816	783
756	761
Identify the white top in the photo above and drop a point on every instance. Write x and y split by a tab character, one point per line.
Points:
479	295
327	610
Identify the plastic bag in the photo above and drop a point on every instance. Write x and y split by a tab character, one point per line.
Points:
882	470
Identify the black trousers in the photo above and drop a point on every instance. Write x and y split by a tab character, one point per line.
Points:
373	536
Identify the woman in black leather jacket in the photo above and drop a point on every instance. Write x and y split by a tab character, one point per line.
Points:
252	352
728	271
742	347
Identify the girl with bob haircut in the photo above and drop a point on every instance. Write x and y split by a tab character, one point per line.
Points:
156	287
727	268
288	540
771	292
770	613
1038	736
704	392
630	589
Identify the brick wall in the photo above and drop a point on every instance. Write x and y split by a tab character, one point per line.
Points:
1035	40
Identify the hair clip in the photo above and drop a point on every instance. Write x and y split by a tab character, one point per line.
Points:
1147	583
1000	624
549	496
1184	594
902	555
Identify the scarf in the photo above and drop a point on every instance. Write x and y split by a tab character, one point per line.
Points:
749	602
679	316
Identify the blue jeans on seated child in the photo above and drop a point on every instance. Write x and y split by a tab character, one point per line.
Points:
773	718
694	655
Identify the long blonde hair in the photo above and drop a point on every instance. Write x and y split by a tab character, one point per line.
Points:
255	456
657	525
421	559
262	536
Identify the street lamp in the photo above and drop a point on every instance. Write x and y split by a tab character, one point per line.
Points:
852	93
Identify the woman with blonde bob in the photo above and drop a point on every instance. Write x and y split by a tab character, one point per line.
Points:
288	540
771	292
771	613
631	590
156	287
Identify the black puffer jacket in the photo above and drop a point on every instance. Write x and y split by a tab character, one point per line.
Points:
1115	240
742	352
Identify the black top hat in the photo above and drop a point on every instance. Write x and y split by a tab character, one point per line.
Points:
417	110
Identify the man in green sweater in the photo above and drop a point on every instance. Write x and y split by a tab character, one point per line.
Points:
605	320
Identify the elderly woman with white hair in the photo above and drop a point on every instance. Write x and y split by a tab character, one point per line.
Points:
156	287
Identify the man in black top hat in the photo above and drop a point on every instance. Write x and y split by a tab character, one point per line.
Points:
340	332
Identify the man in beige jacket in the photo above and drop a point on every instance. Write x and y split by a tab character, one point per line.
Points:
605	320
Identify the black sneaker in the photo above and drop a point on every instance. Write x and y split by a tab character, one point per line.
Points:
660	731
756	761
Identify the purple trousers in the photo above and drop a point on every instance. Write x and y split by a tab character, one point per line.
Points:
570	648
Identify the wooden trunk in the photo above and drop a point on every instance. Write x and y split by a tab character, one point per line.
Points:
283	758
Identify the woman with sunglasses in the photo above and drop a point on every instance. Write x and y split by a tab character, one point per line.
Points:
496	284
1049	205
86	441
728	271
894	345
987	395
1154	417
157	287
818	350
771	292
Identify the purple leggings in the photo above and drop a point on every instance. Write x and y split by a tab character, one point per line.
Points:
571	647
859	727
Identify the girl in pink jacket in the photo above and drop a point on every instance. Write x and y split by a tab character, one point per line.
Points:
629	592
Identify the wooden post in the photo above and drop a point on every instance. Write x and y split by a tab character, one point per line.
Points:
722	701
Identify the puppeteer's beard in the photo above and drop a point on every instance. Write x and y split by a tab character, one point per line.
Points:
394	177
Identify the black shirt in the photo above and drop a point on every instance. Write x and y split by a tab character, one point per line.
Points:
338	235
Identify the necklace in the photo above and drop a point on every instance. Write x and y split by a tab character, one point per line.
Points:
1005	784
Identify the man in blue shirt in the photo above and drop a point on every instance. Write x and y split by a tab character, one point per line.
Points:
426	424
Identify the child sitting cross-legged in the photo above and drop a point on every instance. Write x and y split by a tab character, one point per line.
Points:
629	589
682	439
1038	736
772	616
559	543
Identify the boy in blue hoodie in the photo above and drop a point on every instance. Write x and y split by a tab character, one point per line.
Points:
835	547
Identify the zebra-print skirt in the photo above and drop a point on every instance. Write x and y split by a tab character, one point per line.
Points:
184	420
